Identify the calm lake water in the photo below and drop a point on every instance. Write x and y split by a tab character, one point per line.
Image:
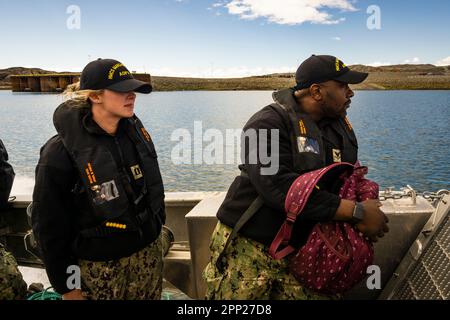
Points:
403	135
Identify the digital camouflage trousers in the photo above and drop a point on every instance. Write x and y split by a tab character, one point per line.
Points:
249	272
12	285
137	277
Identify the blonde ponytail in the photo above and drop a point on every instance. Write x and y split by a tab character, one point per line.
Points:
73	92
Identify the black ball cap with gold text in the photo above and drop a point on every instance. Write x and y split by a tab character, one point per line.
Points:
112	75
317	69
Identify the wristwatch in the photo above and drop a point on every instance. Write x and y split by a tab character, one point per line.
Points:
358	213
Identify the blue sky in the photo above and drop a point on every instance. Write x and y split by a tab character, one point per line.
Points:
220	38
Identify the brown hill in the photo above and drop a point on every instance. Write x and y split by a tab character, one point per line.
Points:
400	77
6	73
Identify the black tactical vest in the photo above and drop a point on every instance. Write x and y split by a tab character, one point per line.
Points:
6	177
108	189
307	140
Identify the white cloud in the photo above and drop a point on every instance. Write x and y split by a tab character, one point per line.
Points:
337	38
216	5
414	60
443	62
379	64
234	72
290	12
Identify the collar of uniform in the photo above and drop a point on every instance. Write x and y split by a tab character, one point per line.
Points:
92	127
285	97
325	122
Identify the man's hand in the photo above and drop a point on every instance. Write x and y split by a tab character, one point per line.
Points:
374	224
74	295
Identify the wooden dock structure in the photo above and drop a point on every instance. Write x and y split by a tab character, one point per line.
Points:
54	82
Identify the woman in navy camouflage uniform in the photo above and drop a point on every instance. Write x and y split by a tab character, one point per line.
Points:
98	202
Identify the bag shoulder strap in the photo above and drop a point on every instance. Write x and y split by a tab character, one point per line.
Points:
246	216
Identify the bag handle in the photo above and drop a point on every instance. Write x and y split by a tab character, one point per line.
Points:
296	200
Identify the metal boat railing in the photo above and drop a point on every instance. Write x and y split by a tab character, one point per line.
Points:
414	219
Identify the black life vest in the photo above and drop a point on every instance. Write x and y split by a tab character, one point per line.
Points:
6	176
110	194
307	140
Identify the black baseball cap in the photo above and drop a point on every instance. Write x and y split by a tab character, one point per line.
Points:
317	69
112	75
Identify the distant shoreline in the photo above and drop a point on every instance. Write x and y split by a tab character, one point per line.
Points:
398	77
212	90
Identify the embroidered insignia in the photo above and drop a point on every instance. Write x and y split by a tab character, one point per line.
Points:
137	172
337	155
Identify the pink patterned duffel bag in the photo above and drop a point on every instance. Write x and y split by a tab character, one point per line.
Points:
335	256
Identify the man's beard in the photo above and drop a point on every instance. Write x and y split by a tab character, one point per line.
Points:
332	113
